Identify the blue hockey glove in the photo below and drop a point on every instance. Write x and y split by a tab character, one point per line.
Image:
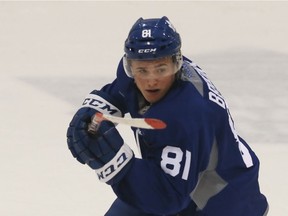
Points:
104	151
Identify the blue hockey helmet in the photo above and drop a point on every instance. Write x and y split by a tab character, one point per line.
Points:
151	39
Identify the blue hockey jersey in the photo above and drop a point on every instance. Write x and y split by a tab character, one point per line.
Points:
198	158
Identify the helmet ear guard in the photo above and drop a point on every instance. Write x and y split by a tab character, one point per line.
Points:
127	66
178	60
151	39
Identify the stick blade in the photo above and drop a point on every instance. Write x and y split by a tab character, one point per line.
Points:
155	123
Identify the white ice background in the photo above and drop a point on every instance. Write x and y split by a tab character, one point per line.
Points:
53	53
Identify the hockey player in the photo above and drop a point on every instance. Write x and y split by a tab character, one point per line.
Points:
198	165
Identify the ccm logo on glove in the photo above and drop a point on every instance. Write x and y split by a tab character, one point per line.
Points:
110	169
98	103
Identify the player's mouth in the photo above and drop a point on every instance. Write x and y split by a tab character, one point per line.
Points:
152	95
152	91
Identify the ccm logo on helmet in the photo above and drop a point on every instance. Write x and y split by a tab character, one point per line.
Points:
147	50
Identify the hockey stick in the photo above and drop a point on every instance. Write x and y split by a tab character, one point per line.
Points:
146	123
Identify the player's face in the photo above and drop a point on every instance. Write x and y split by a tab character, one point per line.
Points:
154	77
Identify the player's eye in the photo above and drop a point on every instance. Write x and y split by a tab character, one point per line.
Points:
142	71
161	70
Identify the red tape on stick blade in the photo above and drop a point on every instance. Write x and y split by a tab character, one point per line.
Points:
155	123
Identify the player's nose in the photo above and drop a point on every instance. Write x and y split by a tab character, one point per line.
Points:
152	82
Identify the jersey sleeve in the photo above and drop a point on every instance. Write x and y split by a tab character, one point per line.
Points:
148	188
111	94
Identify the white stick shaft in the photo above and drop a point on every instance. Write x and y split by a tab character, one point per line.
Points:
146	123
133	122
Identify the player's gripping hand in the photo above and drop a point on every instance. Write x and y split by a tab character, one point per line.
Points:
103	151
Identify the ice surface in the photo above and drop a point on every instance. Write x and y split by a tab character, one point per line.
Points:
53	53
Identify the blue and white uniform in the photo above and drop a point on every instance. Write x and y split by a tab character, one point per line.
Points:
197	165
